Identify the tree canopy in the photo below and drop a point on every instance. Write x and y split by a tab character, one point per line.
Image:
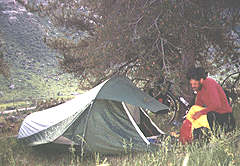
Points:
145	40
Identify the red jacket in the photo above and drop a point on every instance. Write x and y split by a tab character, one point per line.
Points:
213	97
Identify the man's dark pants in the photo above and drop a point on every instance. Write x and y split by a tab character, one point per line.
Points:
225	122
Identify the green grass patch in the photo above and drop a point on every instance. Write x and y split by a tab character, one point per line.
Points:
218	151
224	151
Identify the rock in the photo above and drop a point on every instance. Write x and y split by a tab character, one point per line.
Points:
10	108
12	87
11	119
12	125
74	93
2	124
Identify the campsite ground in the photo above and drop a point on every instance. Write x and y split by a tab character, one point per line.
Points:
224	151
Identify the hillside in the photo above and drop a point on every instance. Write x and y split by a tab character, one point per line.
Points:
34	72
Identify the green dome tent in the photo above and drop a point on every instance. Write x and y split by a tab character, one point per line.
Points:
106	119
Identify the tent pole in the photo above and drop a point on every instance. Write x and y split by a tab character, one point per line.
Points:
134	124
159	130
85	127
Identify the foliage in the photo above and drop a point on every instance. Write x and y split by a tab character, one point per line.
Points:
33	67
142	39
224	151
4	67
44	104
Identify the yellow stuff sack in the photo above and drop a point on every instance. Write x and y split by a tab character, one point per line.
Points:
201	121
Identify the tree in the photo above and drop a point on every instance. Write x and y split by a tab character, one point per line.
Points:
145	40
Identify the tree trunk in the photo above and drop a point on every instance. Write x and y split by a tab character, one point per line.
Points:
188	60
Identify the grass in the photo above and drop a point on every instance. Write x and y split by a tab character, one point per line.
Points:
219	151
47	88
34	69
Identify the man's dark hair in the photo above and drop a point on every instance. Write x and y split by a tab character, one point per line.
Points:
196	73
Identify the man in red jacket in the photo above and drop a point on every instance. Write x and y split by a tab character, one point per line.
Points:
211	96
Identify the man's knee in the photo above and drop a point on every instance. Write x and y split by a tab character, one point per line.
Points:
211	117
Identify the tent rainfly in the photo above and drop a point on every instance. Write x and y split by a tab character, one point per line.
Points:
106	119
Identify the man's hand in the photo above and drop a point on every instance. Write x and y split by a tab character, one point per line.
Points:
196	115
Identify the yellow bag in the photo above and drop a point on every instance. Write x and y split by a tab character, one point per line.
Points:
189	124
201	121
